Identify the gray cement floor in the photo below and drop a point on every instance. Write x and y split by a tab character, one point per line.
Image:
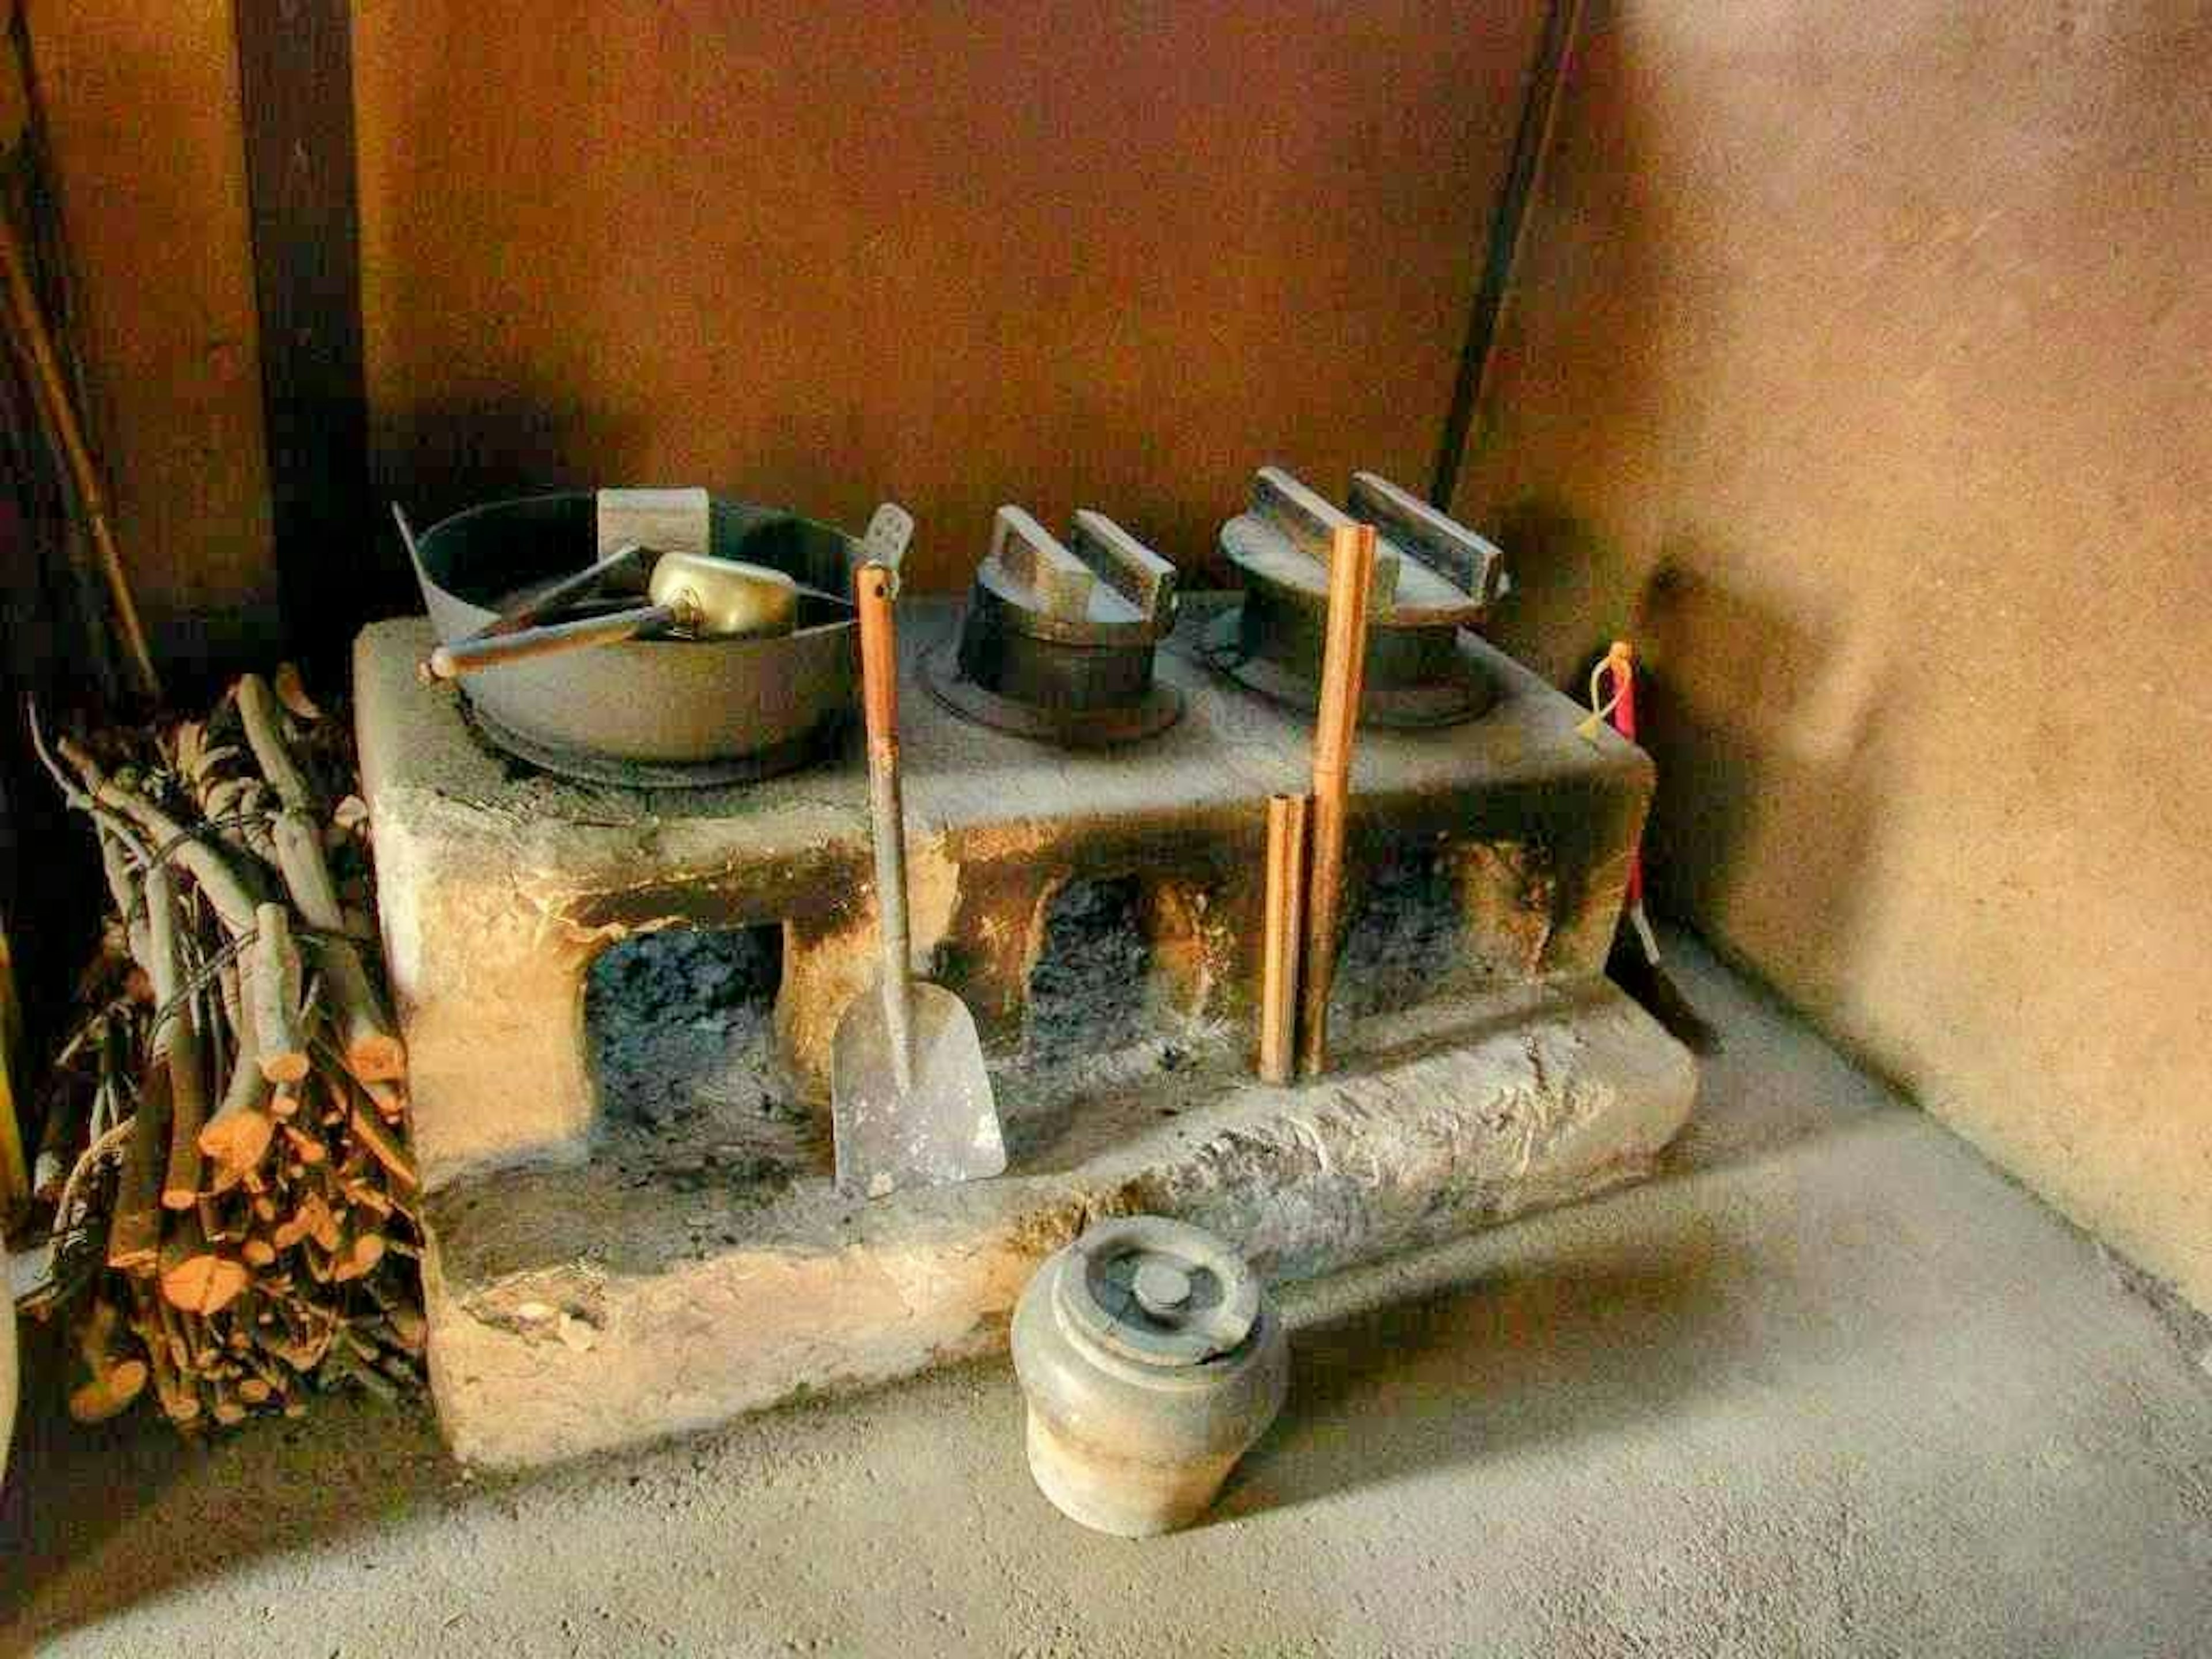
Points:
1830	1387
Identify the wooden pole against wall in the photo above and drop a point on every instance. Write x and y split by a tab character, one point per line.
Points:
1509	227
295	88
35	345
1343	676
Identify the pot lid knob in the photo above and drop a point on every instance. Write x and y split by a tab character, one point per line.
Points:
1157	1291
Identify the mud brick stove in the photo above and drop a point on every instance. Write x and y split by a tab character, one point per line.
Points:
594	1279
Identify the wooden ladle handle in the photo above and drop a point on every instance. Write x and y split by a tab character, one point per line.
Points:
463	657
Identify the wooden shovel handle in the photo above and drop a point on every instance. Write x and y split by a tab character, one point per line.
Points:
873	586
879	653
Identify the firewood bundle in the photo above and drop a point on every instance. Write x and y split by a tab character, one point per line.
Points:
226	1143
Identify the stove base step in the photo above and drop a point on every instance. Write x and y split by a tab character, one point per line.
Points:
580	1309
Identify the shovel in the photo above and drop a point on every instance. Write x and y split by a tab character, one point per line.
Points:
909	1101
690	594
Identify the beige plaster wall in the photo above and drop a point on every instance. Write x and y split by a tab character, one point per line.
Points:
1860	363
141	102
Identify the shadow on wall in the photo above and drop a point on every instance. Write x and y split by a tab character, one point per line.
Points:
436	459
1573	590
1765	733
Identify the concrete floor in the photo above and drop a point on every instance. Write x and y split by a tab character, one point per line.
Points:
1830	1387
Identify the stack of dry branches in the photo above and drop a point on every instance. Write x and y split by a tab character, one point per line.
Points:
225	1144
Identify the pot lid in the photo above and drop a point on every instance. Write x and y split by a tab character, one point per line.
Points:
1158	1291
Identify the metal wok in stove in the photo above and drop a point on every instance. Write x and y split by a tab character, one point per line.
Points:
655	711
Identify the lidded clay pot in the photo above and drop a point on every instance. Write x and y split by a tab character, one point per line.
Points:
1152	1361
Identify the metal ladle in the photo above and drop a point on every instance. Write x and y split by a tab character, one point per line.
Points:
692	596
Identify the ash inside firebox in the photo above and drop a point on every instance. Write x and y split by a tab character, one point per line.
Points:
681	1028
1405	937
1090	992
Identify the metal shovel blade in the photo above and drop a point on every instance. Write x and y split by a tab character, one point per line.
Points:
943	1128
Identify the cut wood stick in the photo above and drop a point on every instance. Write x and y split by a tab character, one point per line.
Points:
312	1218
134	1231
112	1378
367	1194
310	1150
219	1229
1343	679
123	889
370	1133
365	1034
236	1139
233	902
1279	947
196	1277
263	1365
325	1228
408	1323
200	1340
259	713
134	1235
225	1406
180	1183
391	1104
279	1043
305	869
179	1401
358	1256
367	1042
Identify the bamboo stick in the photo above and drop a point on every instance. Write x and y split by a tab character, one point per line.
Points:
1280	943
37	346
1344	674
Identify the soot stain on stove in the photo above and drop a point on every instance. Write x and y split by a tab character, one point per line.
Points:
680	1024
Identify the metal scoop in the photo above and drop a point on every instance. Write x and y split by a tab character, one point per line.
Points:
692	596
910	1100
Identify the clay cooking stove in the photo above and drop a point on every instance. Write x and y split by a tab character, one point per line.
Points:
593	1279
